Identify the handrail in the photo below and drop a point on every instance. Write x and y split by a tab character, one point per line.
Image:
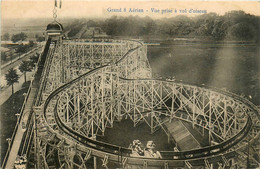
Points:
105	147
46	53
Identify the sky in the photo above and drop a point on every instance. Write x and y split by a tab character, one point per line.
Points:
89	8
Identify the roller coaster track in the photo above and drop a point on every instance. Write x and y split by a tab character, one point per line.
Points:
85	98
226	149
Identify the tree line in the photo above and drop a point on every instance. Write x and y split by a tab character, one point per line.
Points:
234	25
12	77
20	37
15	38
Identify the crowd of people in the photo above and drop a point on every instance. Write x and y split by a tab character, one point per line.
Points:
148	152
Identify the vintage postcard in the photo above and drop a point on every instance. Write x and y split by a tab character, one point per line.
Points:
130	84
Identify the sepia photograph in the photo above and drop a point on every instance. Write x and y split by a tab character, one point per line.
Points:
120	84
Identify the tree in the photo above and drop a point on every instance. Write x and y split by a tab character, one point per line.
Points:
110	26
31	43
6	37
24	67
39	38
11	77
91	23
19	37
3	56
34	59
22	48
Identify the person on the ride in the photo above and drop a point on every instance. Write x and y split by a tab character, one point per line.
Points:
137	149
150	151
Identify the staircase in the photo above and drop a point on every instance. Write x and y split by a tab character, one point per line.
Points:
184	139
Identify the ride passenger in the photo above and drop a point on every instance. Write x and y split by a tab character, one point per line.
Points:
137	149
150	151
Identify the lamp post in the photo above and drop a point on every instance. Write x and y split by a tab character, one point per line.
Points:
24	95
9	142
17	116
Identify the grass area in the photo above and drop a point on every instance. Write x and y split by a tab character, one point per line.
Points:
8	119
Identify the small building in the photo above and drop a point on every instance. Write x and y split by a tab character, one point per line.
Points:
54	30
